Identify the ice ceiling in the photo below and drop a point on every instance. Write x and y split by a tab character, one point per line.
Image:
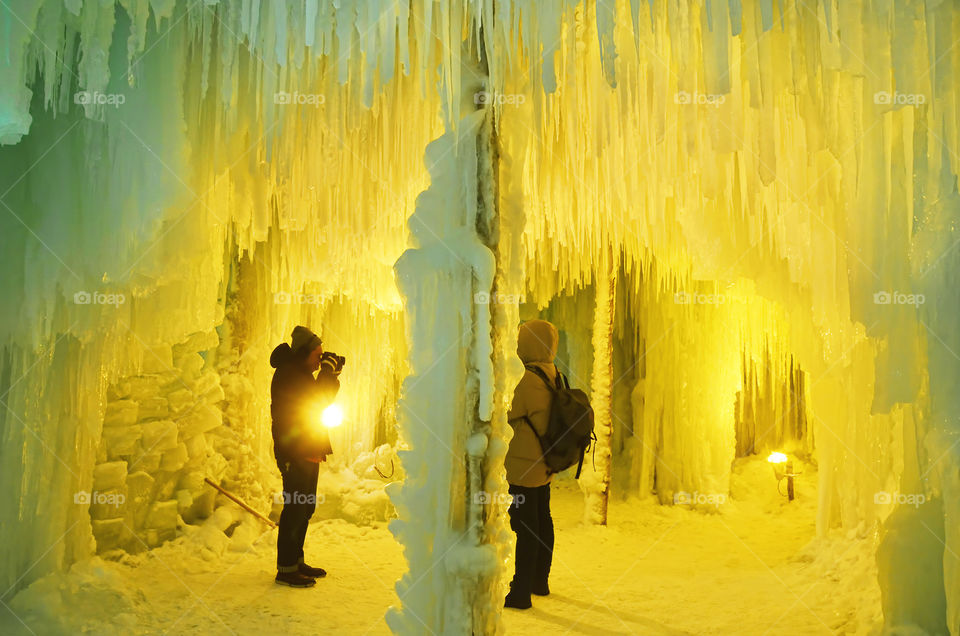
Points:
797	160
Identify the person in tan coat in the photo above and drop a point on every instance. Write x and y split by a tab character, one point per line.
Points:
527	473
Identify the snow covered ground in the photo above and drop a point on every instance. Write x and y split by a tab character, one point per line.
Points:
752	568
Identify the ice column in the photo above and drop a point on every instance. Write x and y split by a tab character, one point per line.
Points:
595	479
453	408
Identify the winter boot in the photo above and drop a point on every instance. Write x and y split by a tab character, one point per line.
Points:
517	601
316	573
295	579
540	589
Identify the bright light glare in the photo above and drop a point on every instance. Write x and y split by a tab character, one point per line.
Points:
332	416
777	458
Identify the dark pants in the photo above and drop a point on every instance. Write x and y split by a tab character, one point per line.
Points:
299	502
531	521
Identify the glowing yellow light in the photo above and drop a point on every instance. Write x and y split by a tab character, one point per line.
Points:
332	416
777	458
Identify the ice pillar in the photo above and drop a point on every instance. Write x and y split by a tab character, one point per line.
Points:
596	483
452	411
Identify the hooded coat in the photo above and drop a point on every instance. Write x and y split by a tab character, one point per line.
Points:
537	343
297	399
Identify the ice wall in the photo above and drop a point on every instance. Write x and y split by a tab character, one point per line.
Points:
172	183
159	441
935	264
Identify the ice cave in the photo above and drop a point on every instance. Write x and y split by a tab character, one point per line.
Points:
737	221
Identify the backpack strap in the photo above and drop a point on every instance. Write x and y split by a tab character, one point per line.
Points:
559	382
554	386
526	419
539	441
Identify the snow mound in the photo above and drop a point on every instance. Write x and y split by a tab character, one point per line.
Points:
344	495
90	598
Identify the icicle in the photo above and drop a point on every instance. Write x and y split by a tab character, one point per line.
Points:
736	17
310	14
606	18
280	29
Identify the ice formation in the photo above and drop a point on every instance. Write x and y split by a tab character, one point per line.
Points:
770	190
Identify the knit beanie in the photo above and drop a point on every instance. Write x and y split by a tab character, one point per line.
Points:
303	337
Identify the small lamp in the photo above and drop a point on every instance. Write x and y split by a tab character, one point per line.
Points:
783	467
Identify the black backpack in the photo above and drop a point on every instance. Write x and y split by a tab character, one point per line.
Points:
570	428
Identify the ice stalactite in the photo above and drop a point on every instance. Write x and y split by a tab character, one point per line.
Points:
15	98
774	390
689	347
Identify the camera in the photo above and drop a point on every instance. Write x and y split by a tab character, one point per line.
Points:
330	361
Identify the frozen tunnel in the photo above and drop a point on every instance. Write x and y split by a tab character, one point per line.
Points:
740	217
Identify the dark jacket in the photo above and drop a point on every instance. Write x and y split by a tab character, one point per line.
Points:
297	399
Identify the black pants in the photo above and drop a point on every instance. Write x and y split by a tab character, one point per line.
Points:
299	502
531	521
